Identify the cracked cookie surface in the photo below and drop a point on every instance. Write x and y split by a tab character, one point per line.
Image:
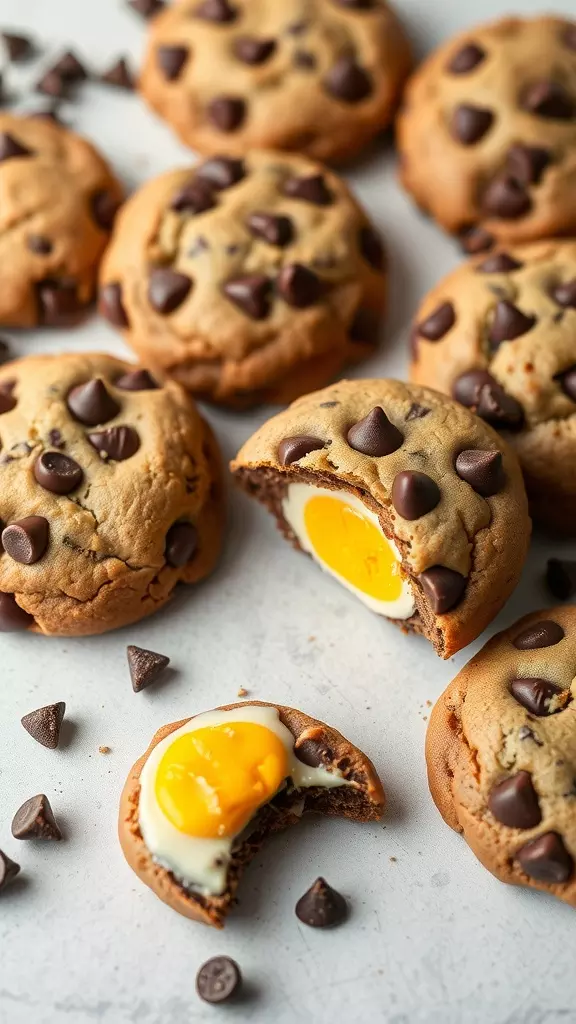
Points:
501	753
58	202
246	280
499	334
110	494
318	76
435	480
487	136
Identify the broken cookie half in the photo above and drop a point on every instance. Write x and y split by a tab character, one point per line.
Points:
405	497
209	790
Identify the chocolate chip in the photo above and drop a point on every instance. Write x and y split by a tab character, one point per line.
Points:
26	540
7	399
312	190
53	84
18	47
70	68
567	381
534	695
514	802
292	449
35	820
137	380
527	163
8	870
304	60
469	124
365	327
546	859
171	60
414	494
275	230
44	724
13	618
119	75
322	906
5	351
548	99
104	209
565	294
509	322
222	172
218	979
499	263
348	81
561	578
443	587
371	247
298	285
92	403
251	50
11	148
57	473
545	633
375	434
435	326
356	5
569	35
252	294
181	544
110	304
145	666
167	289
313	752
147	8
216	10
416	412
39	244
475	239
466	59
227	112
483	470
478	390
117	443
194	197
58	302
506	197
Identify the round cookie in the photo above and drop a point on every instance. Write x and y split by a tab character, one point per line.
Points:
246	280
501	753
499	335
58	202
487	134
434	528
318	76
110	494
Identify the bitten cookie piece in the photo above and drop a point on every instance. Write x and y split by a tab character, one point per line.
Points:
209	790
318	76
246	280
410	501
501	753
58	202
499	335
487	135
110	494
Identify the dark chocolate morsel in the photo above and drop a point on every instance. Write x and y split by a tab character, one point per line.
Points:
312	189
194	197
58	302
443	587
414	494
218	980
8	870
171	60
561	578
565	294
35	820
375	435
321	906
13	618
298	285
26	540
70	68
272	229
117	443
7	399
110	304
145	666
509	322
39	244
53	84
251	50
227	112
104	209
546	859
137	380
569	35
91	403
119	75
147	8
292	449
167	289
466	59
499	263
181	544
469	123
216	10
549	100
514	802
10	147
18	47
567	381
313	752
371	247
57	473
535	695
475	239
506	197
365	326
348	81
545	633
478	390
483	470
527	163
44	724
438	323
221	172
251	294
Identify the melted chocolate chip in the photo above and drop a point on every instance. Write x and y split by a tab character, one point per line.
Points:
137	380
35	820
194	197
312	190
506	198
469	124
251	50
222	172
443	587
272	229
549	100
371	247
484	471
57	473
218	980
546	859
227	112
220	11
11	148
509	322
414	494
466	59
13	618
292	449
321	906
527	163
375	435
514	802
44	724
565	294
251	294
440	321
26	540
314	753
110	304
181	544
167	289
298	285
561	578
171	61
545	633
117	443
91	403
479	391
535	695
348	81
58	303
499	263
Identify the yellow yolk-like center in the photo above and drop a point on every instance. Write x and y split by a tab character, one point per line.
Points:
210	782
353	547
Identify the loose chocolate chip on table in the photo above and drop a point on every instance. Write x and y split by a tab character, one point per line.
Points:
273	229
218	979
57	473
222	172
348	81
137	380
194	197
443	587
371	247
10	147
435	326
58	302
119	75
312	190
252	294
181	544
39	244
145	666
167	289
298	285
375	434
26	540
469	124
475	239
251	50
546	859
104	209
70	68
292	449
44	724
499	263
8	870
147	8
483	470
227	112
321	906
509	322
561	578
535	695
416	412
565	294
414	494
506	197
13	618
478	390
117	443
171	60
110	304
35	820
527	163
546	633
549	100
514	802
91	403
18	47
466	59
53	84
216	10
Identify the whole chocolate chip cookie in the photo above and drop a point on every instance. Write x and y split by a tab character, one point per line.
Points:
318	76
501	753
58	202
487	135
110	489
246	279
499	335
405	497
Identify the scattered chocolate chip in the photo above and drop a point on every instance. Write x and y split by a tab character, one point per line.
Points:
292	449
312	190
110	304
304	60
375	435
550	100
194	197
546	859
147	8
53	84
216	10
514	802
475	239
527	163
499	263
8	870
561	578
365	327
218	979
119	75
227	112
91	403
222	172
35	820
167	289
252	294
414	494
44	724
534	695
273	229
506	197
466	59
251	50
509	322
145	666
39	244
469	124
171	60
478	390
298	285
117	443
69	68
57	473
565	294
13	618
10	147
371	247
181	544
26	540
18	47
322	906
435	326
483	470
137	380
58	302
104	209
443	587
416	412
545	633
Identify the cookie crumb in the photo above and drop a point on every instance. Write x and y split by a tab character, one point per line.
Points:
104	750
394	859
242	692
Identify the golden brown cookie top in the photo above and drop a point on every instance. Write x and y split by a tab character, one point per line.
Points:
317	76
58	204
488	132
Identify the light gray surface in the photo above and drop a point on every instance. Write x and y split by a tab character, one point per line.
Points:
433	937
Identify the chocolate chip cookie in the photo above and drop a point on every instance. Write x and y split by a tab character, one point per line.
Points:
501	753
499	335
59	199
406	498
487	135
246	280
318	76
110	494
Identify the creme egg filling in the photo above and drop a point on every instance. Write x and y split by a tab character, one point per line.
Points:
345	538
